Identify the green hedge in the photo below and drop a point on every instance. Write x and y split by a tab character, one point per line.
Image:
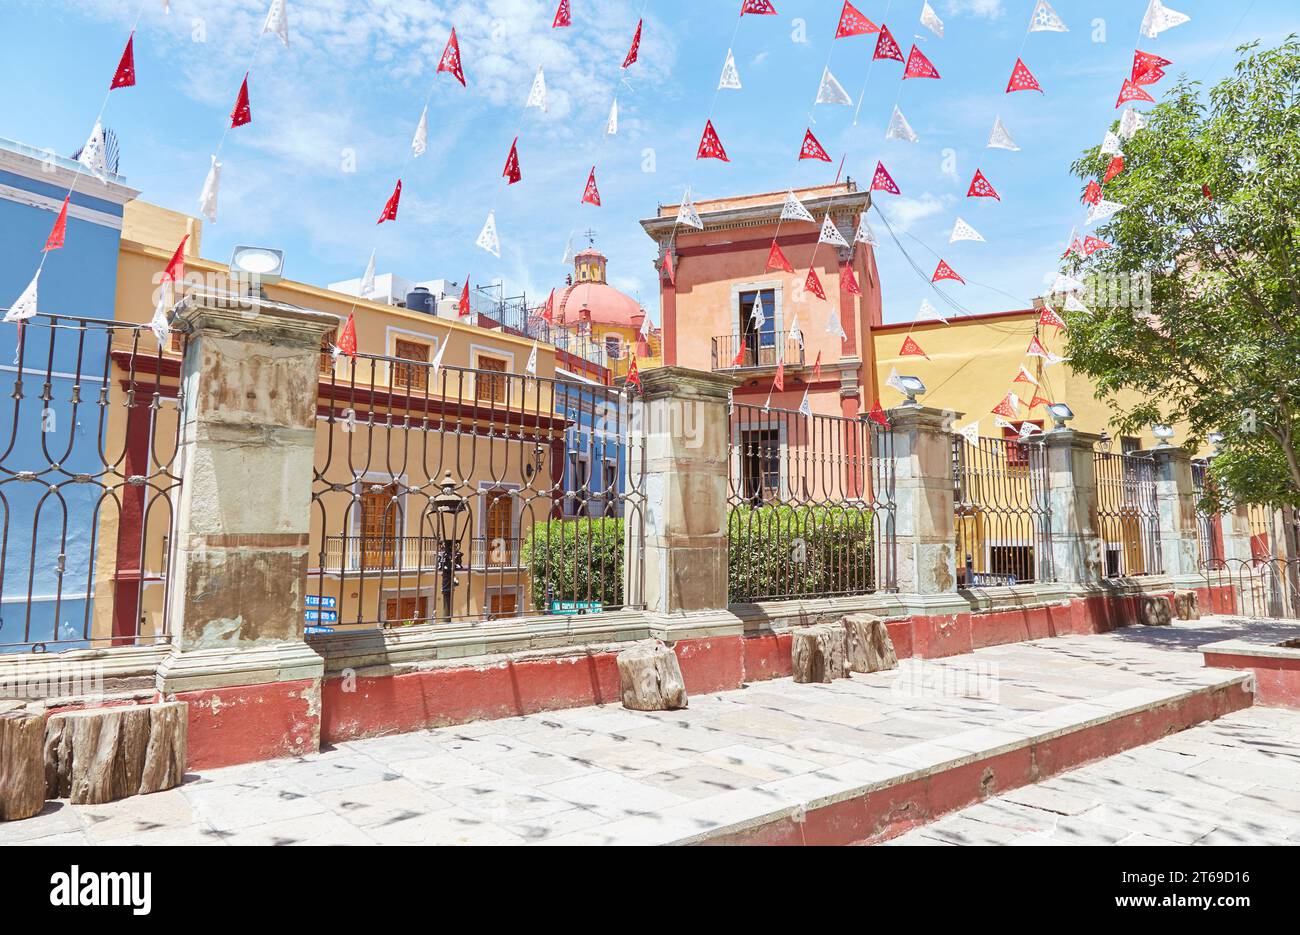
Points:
810	551
579	559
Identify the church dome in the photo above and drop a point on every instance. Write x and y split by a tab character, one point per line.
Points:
592	300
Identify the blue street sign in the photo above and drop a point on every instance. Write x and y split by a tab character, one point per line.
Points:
569	608
316	600
310	630
323	616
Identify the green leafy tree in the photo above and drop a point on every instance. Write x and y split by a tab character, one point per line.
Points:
1212	189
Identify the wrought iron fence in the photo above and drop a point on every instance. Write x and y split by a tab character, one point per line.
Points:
446	494
1128	517
89	480
1002	512
752	350
1257	588
1209	526
810	506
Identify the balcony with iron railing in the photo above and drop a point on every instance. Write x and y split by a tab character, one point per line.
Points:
413	554
761	352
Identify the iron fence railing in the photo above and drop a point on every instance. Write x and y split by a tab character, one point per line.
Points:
89	484
1209	525
811	509
1002	512
1128	515
472	495
753	350
1256	588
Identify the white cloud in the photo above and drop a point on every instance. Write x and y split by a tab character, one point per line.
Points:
988	9
904	213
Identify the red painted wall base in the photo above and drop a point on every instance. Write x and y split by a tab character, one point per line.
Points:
1277	680
246	723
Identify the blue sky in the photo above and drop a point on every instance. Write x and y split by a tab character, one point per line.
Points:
348	92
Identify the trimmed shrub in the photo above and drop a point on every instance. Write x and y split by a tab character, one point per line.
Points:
576	560
808	551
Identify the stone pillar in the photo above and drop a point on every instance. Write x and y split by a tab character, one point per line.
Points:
923	491
1176	504
1236	535
1072	491
238	573
683	414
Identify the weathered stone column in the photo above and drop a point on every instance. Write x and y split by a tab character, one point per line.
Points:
1237	535
1176	504
1072	490
925	526
683	414
238	572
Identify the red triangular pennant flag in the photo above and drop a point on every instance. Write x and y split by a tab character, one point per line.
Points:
1115	168
1009	407
390	209
980	187
548	310
886	47
912	349
848	281
1023	376
944	271
776	259
1022	79
811	149
778	381
1036	348
1092	194
1205	190
634	374
591	194
242	113
817	366
347	342
739	360
1148	68
759	7
1092	244
918	66
450	61
1131	92
1039	401
562	17
462	307
1075	247
882	181
853	23
175	270
668	268
814	285
877	415
511	171
124	77
710	145
60	228
636	46
1049	317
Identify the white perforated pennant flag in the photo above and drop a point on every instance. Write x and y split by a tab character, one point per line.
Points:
831	234
25	307
865	234
793	210
971	433
611	126
963	231
1103	209
1130	122
928	312
1000	138
211	189
1159	18
730	79
487	238
831	91
899	128
537	94
1044	19
1110	145
368	278
686	213
420	142
930	20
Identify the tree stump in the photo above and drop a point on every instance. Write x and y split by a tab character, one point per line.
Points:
1186	605
103	754
22	771
869	648
817	653
650	678
1154	610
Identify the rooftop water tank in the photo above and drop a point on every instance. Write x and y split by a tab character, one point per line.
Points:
420	300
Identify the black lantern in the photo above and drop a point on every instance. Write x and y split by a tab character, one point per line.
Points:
449	508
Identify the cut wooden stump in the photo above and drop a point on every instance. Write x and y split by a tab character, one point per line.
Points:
22	770
1186	605
868	646
817	653
1154	610
650	678
103	754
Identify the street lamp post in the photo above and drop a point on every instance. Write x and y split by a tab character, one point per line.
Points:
449	507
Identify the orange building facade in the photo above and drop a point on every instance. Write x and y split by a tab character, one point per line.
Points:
712	279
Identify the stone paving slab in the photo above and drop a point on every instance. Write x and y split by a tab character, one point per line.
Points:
603	775
1231	781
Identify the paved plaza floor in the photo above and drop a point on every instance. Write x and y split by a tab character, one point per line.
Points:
603	775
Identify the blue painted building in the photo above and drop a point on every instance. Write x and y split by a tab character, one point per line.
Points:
51	414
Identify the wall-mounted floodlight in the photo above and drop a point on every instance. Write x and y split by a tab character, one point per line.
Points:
912	387
1061	414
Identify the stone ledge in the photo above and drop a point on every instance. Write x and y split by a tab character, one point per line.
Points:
245	664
